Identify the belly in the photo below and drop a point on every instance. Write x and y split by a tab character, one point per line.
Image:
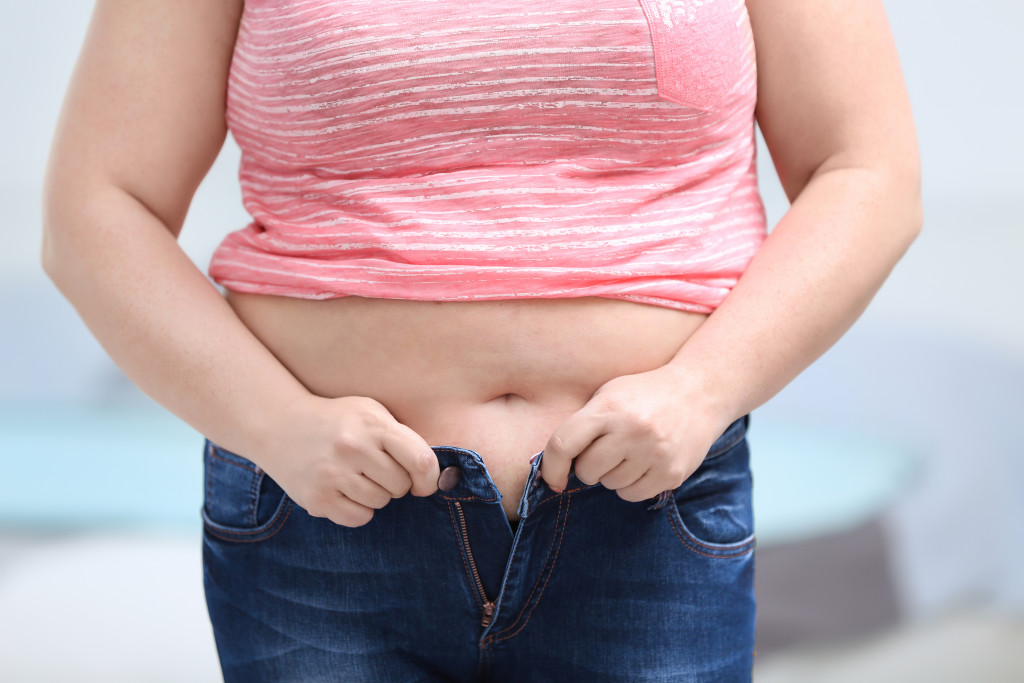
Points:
496	377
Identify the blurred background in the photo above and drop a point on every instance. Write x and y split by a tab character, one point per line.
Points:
888	476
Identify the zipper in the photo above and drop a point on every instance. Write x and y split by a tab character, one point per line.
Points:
488	605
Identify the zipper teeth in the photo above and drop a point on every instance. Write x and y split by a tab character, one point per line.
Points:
469	553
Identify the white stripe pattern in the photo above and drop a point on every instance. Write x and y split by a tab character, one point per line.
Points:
438	150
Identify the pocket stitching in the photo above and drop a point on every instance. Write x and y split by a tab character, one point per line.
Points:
216	452
662	66
272	527
233	533
692	543
689	540
254	497
725	449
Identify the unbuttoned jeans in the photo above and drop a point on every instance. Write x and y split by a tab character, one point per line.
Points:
590	587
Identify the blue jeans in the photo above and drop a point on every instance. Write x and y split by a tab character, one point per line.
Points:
589	587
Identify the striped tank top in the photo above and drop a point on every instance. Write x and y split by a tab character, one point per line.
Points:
442	150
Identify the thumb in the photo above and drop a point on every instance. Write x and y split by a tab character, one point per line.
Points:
570	439
410	451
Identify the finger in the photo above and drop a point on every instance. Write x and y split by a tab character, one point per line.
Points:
415	456
569	440
360	489
624	474
347	512
384	470
597	459
649	485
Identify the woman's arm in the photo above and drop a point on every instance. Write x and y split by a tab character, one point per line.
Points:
141	125
142	122
834	112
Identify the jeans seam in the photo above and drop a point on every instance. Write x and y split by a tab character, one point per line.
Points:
208	490
694	545
254	499
550	570
274	526
482	500
462	554
214	454
552	495
724	449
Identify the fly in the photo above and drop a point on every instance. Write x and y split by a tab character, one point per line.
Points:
488	605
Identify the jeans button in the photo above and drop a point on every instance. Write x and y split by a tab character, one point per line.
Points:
450	476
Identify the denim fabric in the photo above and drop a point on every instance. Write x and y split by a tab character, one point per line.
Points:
589	587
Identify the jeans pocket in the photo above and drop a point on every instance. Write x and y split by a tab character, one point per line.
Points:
711	513
240	501
698	49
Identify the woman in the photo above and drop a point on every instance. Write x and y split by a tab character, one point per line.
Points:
476	394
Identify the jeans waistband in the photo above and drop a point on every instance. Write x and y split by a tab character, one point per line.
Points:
475	483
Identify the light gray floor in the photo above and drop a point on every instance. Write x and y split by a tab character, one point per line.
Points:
967	646
83	607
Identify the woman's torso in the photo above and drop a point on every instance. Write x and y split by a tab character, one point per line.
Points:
436	159
496	377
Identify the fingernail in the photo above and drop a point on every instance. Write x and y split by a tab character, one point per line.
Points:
556	489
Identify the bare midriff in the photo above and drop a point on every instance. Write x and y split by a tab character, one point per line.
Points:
495	377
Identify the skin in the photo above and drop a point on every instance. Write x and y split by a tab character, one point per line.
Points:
835	115
143	122
141	125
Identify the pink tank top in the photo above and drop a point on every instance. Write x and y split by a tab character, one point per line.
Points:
443	150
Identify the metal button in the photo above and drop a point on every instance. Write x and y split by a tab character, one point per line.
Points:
450	476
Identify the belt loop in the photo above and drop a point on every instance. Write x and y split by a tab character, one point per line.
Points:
532	491
659	501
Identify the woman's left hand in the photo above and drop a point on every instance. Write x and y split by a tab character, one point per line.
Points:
638	435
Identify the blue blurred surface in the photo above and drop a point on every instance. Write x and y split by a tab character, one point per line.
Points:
70	466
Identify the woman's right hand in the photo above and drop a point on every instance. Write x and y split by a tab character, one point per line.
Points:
343	458
142	122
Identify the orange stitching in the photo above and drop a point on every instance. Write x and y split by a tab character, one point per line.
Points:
284	507
254	498
219	534
495	637
724	449
214	454
526	603
706	545
551	571
552	495
462	553
484	500
741	549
